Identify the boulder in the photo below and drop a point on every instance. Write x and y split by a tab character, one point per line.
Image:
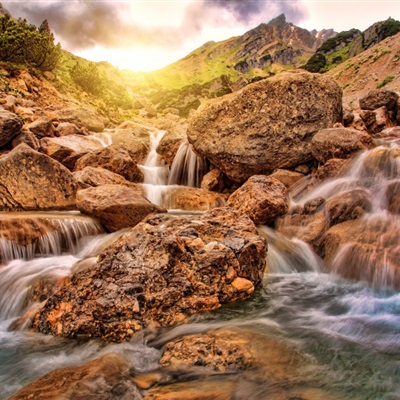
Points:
339	143
27	137
377	98
163	270
10	126
42	127
66	129
377	120
97	176
170	142
213	180
266	125
262	198
115	206
287	177
105	378
82	116
115	158
68	149
30	180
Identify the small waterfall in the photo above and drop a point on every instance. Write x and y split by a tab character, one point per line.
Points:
187	168
63	234
104	138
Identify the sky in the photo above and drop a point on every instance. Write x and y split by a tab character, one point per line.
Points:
144	35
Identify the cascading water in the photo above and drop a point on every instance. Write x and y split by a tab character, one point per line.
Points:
348	330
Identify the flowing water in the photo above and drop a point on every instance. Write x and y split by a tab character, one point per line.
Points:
348	330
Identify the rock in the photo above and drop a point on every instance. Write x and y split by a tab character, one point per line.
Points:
10	126
28	138
66	129
163	270
378	98
191	199
115	158
331	169
287	177
266	125
82	116
105	378
115	206
170	142
41	128
213	180
393	197
97	176
339	143
27	113
376	120
365	249
262	198
68	149
47	185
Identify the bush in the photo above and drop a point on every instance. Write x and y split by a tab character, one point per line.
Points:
388	79
316	63
23	43
87	77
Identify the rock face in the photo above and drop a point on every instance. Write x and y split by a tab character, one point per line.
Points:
163	270
115	206
261	198
33	181
10	126
115	158
105	378
266	125
339	143
91	176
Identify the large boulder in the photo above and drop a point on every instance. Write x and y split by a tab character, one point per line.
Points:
266	125
339	143
42	127
67	149
115	206
97	176
163	270
82	116
115	158
10	126
262	198
378	98
30	180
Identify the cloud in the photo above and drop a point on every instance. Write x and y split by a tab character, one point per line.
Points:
85	24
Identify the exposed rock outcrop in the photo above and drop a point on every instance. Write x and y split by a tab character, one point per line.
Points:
266	125
10	126
82	116
163	270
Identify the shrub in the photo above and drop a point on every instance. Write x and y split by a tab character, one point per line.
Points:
388	79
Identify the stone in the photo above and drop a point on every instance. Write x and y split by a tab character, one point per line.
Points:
378	98
97	176
213	180
262	198
105	378
163	270
82	116
68	149
10	126
115	206
287	177
47	184
339	143
266	125
66	129
42	127
115	158
170	142
28	138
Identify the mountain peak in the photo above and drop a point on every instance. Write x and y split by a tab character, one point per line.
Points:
279	20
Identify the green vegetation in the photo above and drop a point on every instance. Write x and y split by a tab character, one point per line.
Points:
389	28
316	63
343	37
380	53
25	44
388	79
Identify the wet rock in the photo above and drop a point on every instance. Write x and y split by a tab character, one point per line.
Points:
82	116
47	185
105	378
331	169
42	127
115	206
393	197
262	198
378	98
339	143
213	180
287	177
170	142
115	158
10	126
160	272
97	176
68	149
266	125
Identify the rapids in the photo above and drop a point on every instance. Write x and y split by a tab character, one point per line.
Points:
348	330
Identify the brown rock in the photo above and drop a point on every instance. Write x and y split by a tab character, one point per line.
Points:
27	137
213	180
339	143
393	196
115	206
33	181
10	126
41	128
378	98
262	198
68	149
105	378
287	177
266	125
66	129
115	158
170	142
82	116
163	270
